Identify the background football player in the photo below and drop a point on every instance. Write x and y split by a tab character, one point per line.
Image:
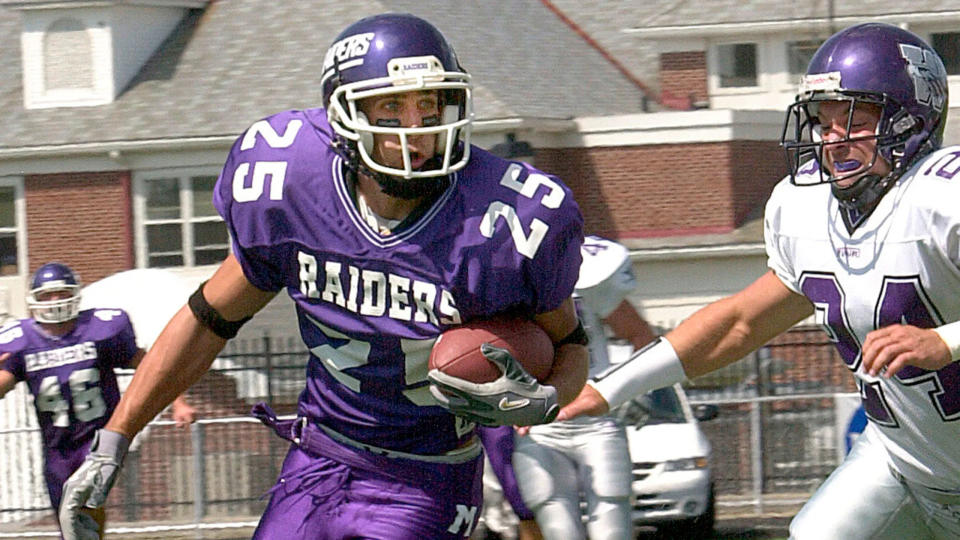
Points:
67	358
559	464
385	226
587	459
864	234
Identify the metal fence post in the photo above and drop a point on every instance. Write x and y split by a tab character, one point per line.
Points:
268	358
197	436
132	468
756	439
756	454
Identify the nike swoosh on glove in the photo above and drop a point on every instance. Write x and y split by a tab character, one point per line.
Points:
513	399
89	485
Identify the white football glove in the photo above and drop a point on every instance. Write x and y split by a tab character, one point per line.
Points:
513	399
89	485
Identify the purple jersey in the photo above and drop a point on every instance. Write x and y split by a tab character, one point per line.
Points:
503	236
71	377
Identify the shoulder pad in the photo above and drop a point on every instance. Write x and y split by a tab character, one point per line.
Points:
601	259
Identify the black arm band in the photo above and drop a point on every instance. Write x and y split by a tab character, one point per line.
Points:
211	318
577	337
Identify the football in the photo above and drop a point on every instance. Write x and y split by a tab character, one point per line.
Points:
457	351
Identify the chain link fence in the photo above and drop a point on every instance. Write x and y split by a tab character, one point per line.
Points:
779	434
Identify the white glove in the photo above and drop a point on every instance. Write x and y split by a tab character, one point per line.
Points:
89	485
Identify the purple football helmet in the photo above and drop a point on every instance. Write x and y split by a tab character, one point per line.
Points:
883	65
392	53
49	278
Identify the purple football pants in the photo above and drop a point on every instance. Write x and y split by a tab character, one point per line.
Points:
328	490
498	443
58	465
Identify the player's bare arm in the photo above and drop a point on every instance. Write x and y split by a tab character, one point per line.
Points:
733	327
887	350
627	323
7	380
713	337
183	413
185	349
571	360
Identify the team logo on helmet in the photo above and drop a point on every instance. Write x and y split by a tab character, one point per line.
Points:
928	75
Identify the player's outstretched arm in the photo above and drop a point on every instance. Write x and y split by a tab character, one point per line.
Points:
178	358
185	349
713	337
183	413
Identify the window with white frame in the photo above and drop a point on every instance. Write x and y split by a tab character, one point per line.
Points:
11	228
799	54
177	222
737	65
947	45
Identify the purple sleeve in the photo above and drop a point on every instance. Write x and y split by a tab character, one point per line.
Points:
555	268
124	343
498	443
557	280
537	228
256	197
11	341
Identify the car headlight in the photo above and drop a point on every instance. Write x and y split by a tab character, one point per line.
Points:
686	464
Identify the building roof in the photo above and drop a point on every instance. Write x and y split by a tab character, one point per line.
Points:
619	26
239	60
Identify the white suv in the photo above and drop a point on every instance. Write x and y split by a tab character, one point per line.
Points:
672	484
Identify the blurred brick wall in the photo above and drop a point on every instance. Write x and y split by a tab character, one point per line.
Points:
684	75
81	219
665	190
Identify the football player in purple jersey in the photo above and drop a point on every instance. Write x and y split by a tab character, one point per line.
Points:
67	358
385	227
862	235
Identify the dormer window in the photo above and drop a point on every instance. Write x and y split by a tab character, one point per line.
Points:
84	54
67	56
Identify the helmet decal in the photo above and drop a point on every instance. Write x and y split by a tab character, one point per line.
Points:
928	75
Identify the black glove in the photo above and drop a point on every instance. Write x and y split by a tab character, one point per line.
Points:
514	399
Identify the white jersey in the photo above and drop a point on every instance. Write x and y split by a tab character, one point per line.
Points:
587	458
606	278
899	266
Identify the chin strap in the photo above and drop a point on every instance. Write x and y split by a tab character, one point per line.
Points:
859	200
401	188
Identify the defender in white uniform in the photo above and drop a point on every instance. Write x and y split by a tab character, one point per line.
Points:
555	463
865	235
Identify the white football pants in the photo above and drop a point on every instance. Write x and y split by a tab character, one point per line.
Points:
863	500
556	462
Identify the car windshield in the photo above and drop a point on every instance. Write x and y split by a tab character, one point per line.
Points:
657	407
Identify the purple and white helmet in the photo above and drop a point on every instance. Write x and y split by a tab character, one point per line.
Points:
54	277
392	53
873	63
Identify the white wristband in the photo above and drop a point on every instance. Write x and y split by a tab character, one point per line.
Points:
654	366
950	334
